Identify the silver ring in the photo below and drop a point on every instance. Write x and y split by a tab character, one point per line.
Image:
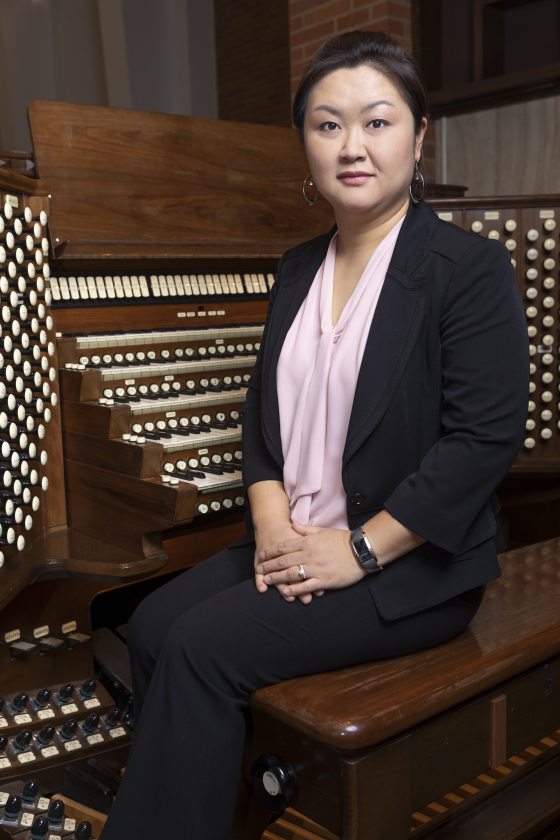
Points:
301	572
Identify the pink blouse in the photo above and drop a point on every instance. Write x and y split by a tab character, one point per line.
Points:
316	380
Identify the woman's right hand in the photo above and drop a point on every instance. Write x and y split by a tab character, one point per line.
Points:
265	540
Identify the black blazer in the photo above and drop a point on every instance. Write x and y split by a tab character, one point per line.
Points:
439	408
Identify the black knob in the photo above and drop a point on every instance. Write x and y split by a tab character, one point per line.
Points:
83	831
2	701
65	693
42	698
55	814
3	742
91	723
113	718
12	808
68	729
273	781
45	735
30	791
88	689
22	740
19	702
40	828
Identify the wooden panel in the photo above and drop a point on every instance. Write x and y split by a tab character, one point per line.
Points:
508	150
179	184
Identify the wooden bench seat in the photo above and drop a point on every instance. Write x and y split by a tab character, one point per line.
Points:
437	739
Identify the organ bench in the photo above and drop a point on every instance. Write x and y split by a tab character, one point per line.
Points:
460	741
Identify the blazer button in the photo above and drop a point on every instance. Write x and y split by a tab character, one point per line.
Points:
357	499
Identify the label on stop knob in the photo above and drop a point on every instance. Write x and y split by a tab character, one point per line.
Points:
26	757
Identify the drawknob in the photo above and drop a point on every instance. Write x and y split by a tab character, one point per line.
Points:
39	829
12	808
65	693
30	791
22	740
45	735
83	831
88	689
55	814
68	729
273	781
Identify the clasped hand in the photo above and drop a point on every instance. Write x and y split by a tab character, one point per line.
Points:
324	553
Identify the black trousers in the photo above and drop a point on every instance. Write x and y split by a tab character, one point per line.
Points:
199	646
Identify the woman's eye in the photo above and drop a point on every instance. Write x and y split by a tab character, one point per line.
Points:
377	123
328	126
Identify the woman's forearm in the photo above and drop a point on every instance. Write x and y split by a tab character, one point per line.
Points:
389	538
269	504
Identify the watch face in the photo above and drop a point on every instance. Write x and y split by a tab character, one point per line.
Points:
364	554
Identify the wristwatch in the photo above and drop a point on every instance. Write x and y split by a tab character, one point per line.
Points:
363	552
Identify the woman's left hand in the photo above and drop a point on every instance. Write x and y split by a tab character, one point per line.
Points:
323	553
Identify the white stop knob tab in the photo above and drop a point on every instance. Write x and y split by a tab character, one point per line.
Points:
476	226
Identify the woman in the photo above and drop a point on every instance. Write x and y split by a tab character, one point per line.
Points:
387	403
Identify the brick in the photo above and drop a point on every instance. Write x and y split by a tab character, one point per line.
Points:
296	55
354	20
299	6
313	33
327	11
296	23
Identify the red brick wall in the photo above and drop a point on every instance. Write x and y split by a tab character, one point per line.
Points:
314	21
253	61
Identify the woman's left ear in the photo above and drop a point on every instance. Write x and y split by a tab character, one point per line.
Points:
420	138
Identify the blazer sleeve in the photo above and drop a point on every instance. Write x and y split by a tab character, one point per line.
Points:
258	463
485	374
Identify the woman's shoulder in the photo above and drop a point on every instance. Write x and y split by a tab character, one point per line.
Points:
453	242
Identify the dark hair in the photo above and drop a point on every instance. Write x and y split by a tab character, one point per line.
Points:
352	49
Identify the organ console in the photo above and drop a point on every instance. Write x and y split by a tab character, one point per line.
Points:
134	277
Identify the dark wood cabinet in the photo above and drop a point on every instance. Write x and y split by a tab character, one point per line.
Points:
484	52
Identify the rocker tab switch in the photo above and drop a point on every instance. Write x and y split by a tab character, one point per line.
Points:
48	643
21	648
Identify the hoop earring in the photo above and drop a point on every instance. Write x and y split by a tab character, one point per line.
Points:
309	183
417	186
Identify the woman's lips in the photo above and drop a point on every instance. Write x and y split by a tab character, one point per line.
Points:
354	178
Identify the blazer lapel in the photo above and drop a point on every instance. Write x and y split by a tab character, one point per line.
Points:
394	329
393	333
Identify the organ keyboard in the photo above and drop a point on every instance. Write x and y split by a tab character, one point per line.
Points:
134	278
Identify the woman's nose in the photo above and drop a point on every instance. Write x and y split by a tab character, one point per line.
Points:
353	146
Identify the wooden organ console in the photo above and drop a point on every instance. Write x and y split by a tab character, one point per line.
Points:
134	278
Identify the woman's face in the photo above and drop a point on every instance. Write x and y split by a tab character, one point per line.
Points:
360	141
